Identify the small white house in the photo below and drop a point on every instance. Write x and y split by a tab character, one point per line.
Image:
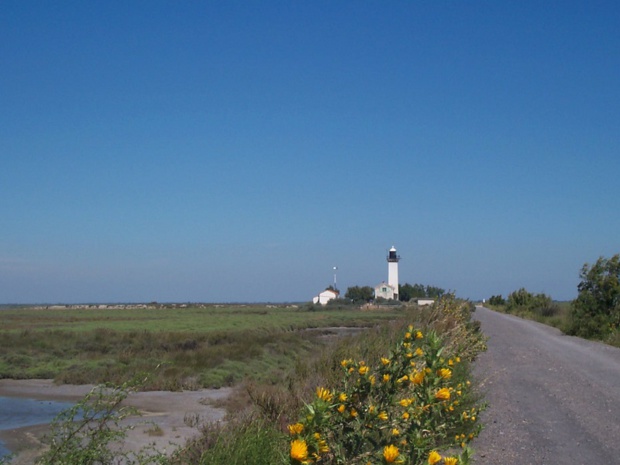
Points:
325	296
385	291
423	301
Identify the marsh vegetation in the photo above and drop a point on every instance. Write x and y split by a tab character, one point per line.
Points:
280	368
180	348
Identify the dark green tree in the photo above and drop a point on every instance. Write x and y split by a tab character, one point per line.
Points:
408	291
596	310
497	300
519	299
360	294
434	292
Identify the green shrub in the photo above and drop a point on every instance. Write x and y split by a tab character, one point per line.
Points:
596	310
90	432
404	409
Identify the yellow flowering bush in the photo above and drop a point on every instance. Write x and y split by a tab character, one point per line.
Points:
409	408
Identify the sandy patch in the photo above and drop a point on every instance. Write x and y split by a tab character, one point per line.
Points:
168	410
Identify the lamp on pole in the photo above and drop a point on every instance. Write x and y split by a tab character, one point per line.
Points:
335	285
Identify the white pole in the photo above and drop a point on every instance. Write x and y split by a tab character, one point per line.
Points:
335	285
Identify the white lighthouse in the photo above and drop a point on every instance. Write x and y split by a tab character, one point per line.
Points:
393	259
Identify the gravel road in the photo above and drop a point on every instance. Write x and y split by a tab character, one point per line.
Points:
553	399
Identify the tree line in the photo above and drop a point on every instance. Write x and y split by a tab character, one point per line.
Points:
406	292
594	314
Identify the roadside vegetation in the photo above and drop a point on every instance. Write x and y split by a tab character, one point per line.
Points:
537	307
399	392
594	314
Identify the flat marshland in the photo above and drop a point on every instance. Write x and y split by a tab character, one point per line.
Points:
178	347
282	361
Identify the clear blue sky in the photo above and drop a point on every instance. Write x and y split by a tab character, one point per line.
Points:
237	151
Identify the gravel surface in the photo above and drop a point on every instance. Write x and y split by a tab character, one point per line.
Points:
552	399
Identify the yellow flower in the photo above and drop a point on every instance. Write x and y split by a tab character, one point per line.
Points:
450	362
419	352
434	457
403	379
419	335
443	394
385	361
450	461
324	394
458	359
395	432
371	409
353	412
407	335
341	408
372	379
405	402
385	378
418	377
345	363
410	328
390	453
297	428
323	447
342	397
363	370
405	415
299	450
382	416
445	373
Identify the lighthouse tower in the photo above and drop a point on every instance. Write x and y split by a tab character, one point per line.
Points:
393	259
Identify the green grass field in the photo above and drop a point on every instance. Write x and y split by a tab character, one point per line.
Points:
180	348
207	319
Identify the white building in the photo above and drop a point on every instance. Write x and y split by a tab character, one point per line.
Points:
325	296
384	291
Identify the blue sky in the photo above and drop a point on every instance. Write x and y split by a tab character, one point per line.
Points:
237	151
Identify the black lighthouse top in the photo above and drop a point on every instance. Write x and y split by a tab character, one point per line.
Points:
392	257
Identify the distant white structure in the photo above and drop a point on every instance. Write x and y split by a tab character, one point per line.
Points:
423	301
384	291
325	296
393	259
389	290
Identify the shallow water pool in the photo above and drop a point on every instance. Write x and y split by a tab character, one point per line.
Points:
16	412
